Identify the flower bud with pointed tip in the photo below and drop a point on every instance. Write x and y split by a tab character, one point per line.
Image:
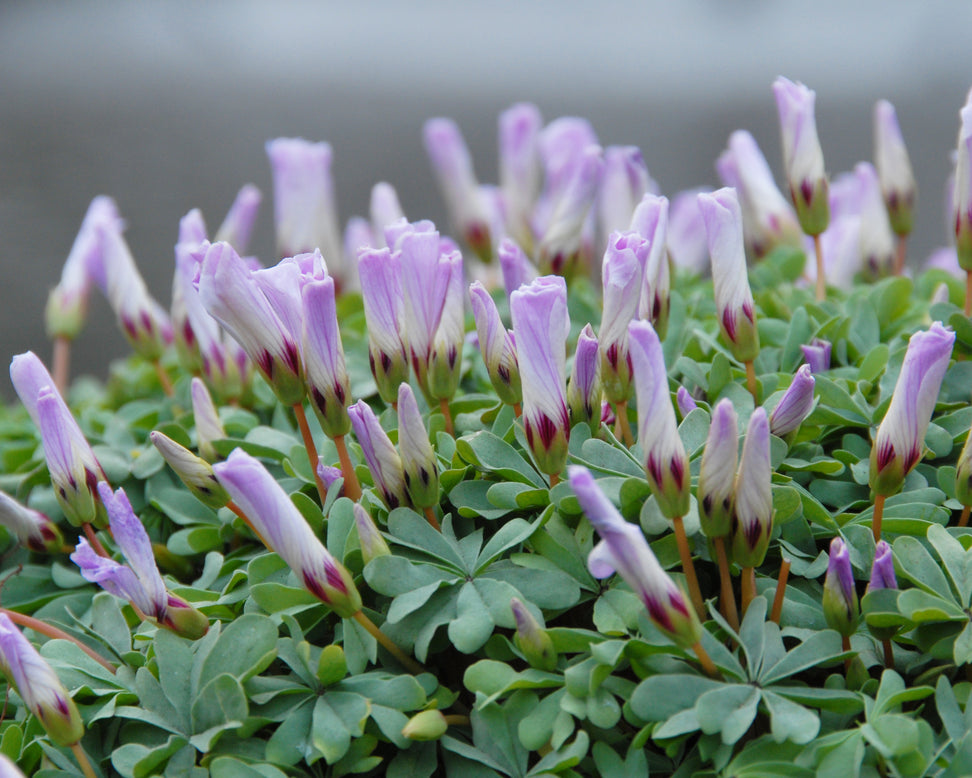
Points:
752	521
877	239
718	472
419	466
517	269
209	428
519	166
621	276
195	472
624	181
372	543
817	354
882	571
665	460
328	475
894	168
425	726
962	188
840	606
445	357
686	403
328	386
277	520
560	244
650	220
584	387
802	155
624	550
687	242
38	686
238	224
32	528
380	272
496	346
540	329
795	404
734	299
900	440
532	639
379	452
384	209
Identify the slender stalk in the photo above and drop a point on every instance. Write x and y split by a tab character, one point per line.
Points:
900	249
727	597
406	661
312	457
706	661
964	518
821	278
352	487
444	407
517	410
878	516
164	379
246	520
62	364
554	480
688	567
86	768
968	292
431	519
846	646
622	428
748	580
751	380
456	720
780	591
93	540
58	634
888	654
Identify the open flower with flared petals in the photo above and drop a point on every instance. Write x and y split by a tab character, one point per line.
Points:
621	278
280	525
840	605
717	473
665	460
379	452
795	404
650	220
894	168
624	550
900	440
752	521
32	528
496	346
584	387
238	224
540	328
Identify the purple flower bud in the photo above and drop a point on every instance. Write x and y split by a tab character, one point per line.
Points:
584	388
379	452
284	530
329	475
38	686
840	606
621	277
795	404
540	328
768	219
882	571
496	345
372	543
624	550
327	377
305	212
817	354
962	191
802	155
718	472
517	269
384	210
752	520
687	243
195	472
650	220
734	299
624	181
445	357
894	167
382	293
519	166
665	460
209	428
560	244
686	403
877	239
419	466
453	169
232	296
900	439
238	224
32	528
532	639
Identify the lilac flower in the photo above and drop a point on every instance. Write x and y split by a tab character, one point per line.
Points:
384	209
877	239
802	155
372	543
718	472
540	327
38	686
284	530
305	213
686	403
962	191
232	296
380	271
752	520
734	299
584	388
900	439
419	467
453	168
358	235
624	182
882	571
665	460
209	428
817	354
195	472
795	404
32	528
893	167
139	581
650	220
327	377
686	232
624	550
532	639
238	224
768	219
621	278
519	166
496	345
517	269
379	452
329	475
840	606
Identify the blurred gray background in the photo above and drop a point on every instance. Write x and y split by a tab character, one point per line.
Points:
166	106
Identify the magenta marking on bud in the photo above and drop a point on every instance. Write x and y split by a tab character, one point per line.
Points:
655	469
334	579
292	356
678	471
612	355
747	309
315	588
885	454
320	401
806	189
188	334
265	363
752	532
657	611
729	323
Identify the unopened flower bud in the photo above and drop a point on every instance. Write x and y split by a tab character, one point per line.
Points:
195	472
532	639
328	474
718	472
517	269
419	465
32	528
584	387
817	354
686	403
238	224
496	346
209	428
380	272
752	521
795	404
427	725
373	545
650	220
840	606
328	385
882	571
894	168
621	275
379	452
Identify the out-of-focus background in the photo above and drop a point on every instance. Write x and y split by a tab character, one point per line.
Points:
166	106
